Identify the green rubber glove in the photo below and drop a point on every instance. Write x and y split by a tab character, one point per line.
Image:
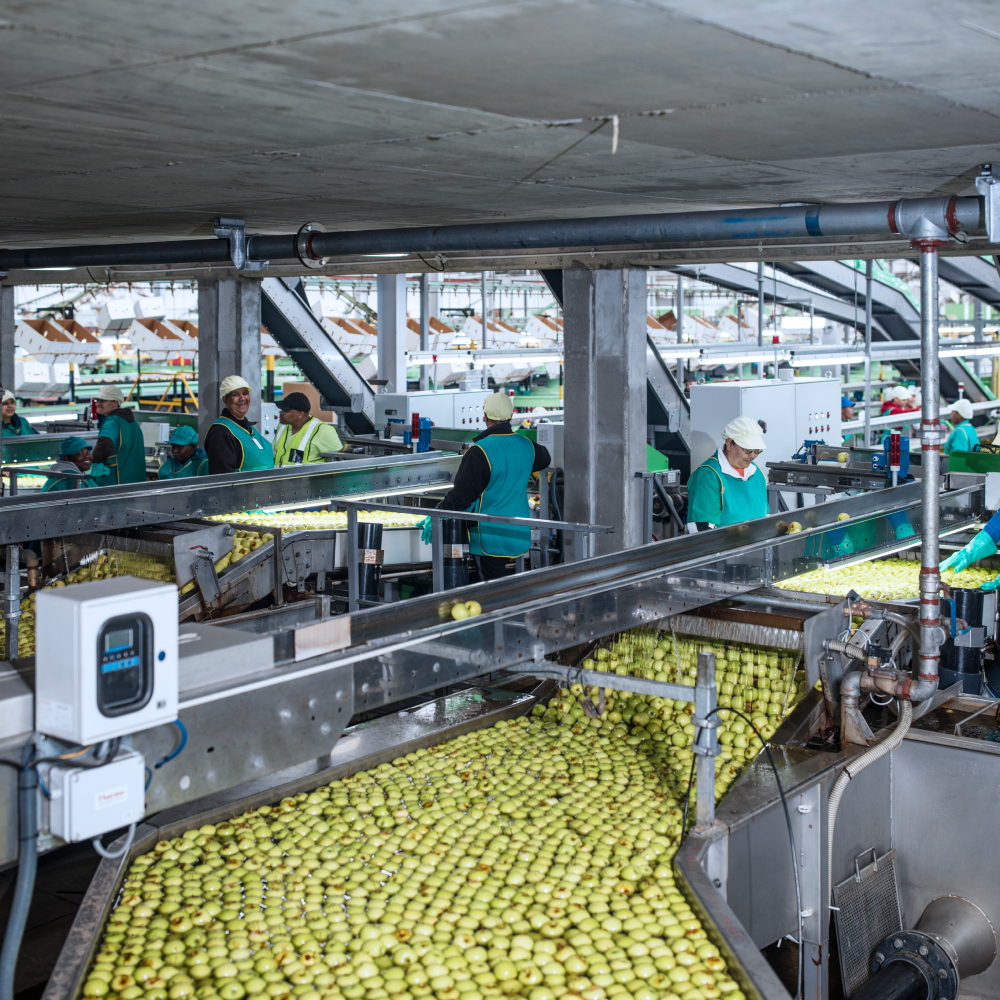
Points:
98	469
979	548
992	585
426	528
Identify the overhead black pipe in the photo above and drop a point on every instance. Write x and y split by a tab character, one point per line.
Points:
907	217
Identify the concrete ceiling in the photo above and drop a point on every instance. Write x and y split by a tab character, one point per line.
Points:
143	120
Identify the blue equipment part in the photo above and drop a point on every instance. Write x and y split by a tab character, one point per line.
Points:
424	440
807	451
880	463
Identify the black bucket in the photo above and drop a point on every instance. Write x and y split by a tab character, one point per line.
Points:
369	560
455	538
963	663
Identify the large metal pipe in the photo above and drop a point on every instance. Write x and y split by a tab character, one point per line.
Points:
878	218
931	437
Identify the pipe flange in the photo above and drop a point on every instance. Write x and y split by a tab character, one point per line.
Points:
924	952
303	245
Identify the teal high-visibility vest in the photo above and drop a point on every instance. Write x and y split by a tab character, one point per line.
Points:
18	427
510	457
720	499
962	438
257	453
127	463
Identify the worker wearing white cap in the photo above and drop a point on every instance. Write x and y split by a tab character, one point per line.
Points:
964	436
232	442
493	479
12	423
729	488
120	453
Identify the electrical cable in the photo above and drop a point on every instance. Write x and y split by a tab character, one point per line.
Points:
788	823
105	853
180	746
27	866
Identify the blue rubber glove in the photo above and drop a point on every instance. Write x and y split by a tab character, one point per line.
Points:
992	585
426	529
979	548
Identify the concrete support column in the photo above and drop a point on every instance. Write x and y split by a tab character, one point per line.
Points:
228	343
392	331
7	324
605	405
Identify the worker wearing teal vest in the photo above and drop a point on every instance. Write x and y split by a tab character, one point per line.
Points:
120	453
232	443
964	436
13	424
74	458
729	488
186	458
493	479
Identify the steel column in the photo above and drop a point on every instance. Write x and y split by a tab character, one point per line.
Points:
424	324
977	330
605	404
391	331
228	343
760	309
7	326
868	354
679	323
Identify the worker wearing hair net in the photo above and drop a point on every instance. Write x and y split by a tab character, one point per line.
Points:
232	443
493	479
964	436
74	459
186	458
728	488
120	453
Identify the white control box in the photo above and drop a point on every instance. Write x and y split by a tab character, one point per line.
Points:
453	408
105	659
550	436
794	411
86	802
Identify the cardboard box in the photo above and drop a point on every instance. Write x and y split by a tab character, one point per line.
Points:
312	394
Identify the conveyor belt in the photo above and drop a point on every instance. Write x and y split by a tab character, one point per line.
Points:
54	515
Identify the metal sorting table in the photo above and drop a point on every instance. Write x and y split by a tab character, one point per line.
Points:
52	515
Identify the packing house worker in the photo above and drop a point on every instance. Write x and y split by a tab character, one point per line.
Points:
846	408
120	450
302	439
964	436
493	479
983	545
74	456
728	488
186	458
232	444
12	422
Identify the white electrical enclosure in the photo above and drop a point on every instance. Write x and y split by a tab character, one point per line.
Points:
86	802
445	407
794	411
105	659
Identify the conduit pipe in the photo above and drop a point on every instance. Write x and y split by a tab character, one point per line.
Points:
857	765
907	217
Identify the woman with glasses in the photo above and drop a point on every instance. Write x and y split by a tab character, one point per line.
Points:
729	488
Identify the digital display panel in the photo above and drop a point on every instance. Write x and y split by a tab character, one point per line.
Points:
116	641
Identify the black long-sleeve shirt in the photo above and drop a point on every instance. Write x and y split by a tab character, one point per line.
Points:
225	454
473	474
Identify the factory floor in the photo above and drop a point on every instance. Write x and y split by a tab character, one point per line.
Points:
63	877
